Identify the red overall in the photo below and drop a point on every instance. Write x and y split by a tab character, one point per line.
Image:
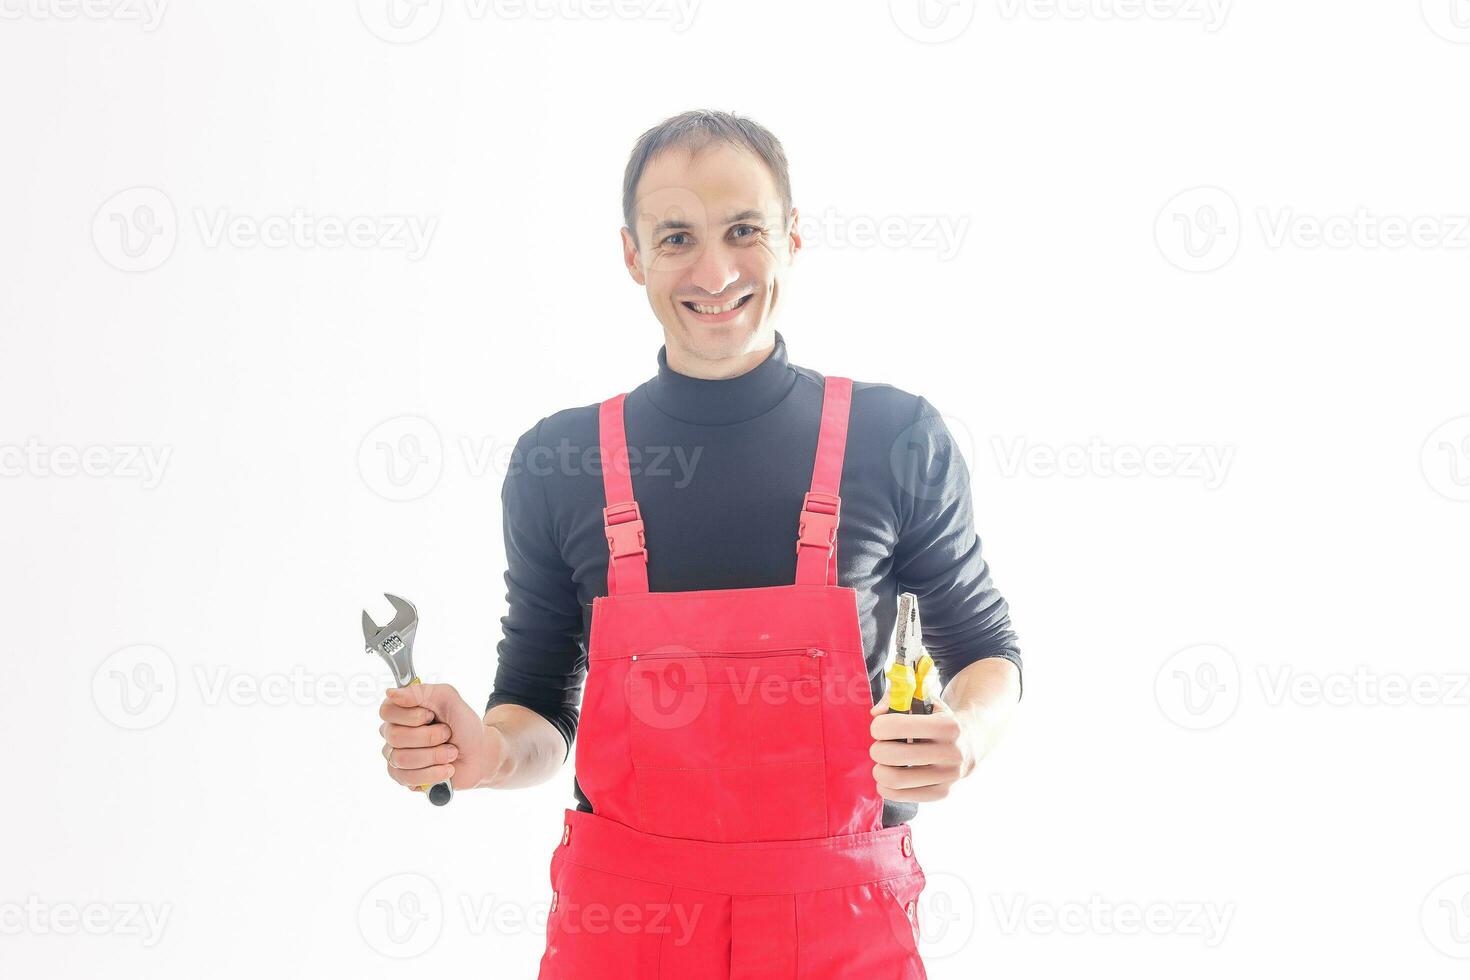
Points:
724	743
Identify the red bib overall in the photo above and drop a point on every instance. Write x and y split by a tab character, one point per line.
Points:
724	745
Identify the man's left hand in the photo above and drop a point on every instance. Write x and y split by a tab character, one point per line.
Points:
923	771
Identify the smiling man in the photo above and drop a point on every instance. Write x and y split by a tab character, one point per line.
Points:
743	794
716	303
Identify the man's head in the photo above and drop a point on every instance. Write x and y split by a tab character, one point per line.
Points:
708	222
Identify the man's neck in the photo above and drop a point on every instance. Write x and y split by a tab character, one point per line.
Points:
684	363
743	395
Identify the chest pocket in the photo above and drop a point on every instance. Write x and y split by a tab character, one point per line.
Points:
728	746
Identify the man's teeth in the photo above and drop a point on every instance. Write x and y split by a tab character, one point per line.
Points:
717	309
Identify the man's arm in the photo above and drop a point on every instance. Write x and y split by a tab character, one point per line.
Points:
966	625
533	711
938	557
983	697
531	749
430	733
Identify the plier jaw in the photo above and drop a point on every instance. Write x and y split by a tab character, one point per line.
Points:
911	679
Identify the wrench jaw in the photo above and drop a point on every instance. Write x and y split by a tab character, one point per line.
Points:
394	642
397	653
405	616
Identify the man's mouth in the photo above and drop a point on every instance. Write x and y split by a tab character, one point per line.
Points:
717	310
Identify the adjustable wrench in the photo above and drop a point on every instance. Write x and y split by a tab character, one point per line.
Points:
394	643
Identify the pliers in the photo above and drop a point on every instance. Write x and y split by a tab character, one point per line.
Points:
911	679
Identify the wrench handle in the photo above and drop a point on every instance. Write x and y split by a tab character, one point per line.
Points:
439	793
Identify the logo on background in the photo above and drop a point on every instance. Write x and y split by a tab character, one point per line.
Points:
1445	916
1199	687
136	230
932	21
400	21
1445	459
1450	19
947	915
402	459
136	687
918	472
401	916
667	687
1199	229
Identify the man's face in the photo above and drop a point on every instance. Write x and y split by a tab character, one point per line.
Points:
711	234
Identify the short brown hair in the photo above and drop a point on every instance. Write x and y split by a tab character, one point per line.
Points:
694	130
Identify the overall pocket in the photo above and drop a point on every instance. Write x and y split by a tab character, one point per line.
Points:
603	926
883	913
728	745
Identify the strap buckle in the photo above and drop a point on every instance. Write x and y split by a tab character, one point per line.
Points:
623	524
818	525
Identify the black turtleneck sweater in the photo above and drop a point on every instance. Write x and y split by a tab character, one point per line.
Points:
719	469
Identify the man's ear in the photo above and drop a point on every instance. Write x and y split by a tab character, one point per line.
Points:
795	234
631	258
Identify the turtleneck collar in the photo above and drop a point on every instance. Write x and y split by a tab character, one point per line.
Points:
722	401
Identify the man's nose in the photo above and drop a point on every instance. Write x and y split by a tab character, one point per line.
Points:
713	270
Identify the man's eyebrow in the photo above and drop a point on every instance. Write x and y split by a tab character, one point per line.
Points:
679	224
747	215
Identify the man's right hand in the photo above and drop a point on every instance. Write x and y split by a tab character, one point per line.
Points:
430	734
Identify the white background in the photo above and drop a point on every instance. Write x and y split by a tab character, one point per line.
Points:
1187	232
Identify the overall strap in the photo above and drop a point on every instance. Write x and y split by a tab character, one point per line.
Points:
627	563
816	537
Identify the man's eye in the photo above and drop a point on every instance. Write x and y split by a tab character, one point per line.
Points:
669	239
750	228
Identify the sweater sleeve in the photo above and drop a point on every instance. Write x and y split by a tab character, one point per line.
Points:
541	661
937	556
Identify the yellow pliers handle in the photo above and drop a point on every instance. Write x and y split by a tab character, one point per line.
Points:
911	688
902	683
925	682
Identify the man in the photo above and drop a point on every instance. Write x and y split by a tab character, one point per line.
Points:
716	555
